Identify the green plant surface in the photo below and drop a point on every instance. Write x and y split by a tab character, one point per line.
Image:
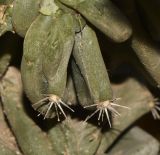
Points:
140	102
24	13
31	66
105	16
77	137
146	50
8	145
138	142
30	137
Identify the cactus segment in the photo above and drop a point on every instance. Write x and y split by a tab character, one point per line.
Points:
73	132
24	13
85	98
31	67
70	96
139	106
105	16
88	57
56	53
30	137
79	21
81	88
8	145
146	50
91	80
46	56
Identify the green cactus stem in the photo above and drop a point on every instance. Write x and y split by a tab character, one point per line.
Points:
138	100
75	137
24	13
81	88
31	66
70	96
146	50
30	138
8	145
105	16
136	142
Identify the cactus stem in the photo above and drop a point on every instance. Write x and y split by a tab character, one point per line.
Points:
103	108
53	100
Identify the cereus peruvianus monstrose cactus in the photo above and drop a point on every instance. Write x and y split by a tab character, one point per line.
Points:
76	75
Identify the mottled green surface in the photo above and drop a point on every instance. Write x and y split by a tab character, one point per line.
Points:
81	88
62	59
70	96
136	142
88	57
146	50
137	99
24	13
105	16
30	138
31	66
75	137
56	53
8	144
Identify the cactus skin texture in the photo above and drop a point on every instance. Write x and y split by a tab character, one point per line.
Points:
70	96
88	57
63	136
99	12
24	13
81	88
146	50
79	58
11	92
85	137
89	60
8	145
57	51
32	58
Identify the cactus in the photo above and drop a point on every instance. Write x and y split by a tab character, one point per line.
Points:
65	95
